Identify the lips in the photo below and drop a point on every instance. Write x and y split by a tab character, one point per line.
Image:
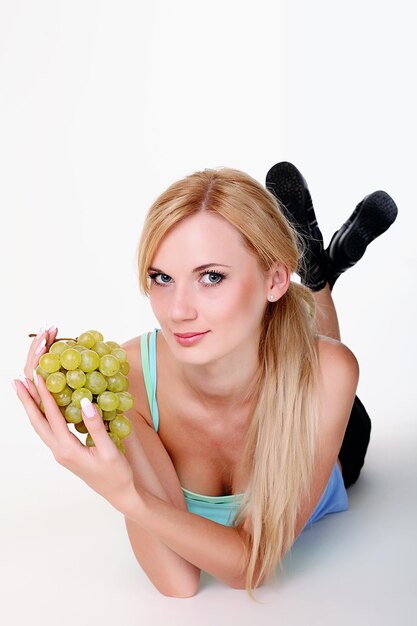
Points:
186	335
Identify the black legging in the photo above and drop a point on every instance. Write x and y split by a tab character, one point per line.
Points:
355	443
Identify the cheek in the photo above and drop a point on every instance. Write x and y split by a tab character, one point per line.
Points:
156	303
245	302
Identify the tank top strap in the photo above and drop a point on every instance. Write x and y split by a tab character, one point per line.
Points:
149	373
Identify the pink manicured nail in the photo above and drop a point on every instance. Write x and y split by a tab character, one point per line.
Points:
35	377
87	407
40	346
40	331
25	382
51	329
13	384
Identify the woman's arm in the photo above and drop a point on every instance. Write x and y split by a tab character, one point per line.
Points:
210	546
153	472
170	543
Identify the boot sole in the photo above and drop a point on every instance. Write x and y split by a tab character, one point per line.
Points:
292	184
375	215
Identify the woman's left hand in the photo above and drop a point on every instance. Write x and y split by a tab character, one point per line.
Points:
103	467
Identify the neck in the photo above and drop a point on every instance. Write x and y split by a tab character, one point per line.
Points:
227	383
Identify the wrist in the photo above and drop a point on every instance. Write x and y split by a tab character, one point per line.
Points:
133	504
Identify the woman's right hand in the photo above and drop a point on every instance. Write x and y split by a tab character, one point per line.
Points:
39	346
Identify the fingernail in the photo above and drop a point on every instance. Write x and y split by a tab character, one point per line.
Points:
13	384
25	382
35	377
41	346
87	407
52	328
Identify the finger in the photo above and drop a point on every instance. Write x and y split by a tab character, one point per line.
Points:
52	333
36	417
53	414
37	348
31	387
95	426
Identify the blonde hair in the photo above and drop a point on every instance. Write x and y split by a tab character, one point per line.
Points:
279	447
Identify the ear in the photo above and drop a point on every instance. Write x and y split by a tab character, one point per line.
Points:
277	282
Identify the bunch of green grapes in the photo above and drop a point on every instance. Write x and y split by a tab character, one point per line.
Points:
89	367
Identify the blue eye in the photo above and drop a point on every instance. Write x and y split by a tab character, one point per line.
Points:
154	276
210	284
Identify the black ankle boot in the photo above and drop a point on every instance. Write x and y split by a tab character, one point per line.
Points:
372	216
288	185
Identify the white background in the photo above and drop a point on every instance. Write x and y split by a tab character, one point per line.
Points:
102	106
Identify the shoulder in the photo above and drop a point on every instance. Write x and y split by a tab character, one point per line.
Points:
339	376
336	360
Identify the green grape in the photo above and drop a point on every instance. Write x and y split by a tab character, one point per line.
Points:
42	372
90	368
89	361
117	442
70	359
63	398
109	415
50	362
109	365
98	409
125	401
108	401
90	443
58	347
125	368
79	348
118	382
86	339
76	379
97	336
96	382
56	382
73	414
121	426
42	408
81	428
120	354
82	392
101	348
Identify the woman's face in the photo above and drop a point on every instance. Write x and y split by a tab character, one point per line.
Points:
189	300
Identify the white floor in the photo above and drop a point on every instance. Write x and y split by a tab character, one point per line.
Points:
65	556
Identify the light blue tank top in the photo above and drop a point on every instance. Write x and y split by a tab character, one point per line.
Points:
222	509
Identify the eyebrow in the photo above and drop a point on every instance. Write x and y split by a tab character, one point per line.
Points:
196	269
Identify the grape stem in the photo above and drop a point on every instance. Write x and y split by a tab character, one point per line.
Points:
57	339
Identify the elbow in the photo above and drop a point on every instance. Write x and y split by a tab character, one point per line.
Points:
183	593
187	589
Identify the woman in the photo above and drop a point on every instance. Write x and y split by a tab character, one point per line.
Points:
255	418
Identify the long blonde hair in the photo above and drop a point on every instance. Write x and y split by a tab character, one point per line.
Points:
280	442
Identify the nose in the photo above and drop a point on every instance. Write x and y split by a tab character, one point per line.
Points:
181	306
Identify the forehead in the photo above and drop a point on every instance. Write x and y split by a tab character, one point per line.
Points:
203	238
